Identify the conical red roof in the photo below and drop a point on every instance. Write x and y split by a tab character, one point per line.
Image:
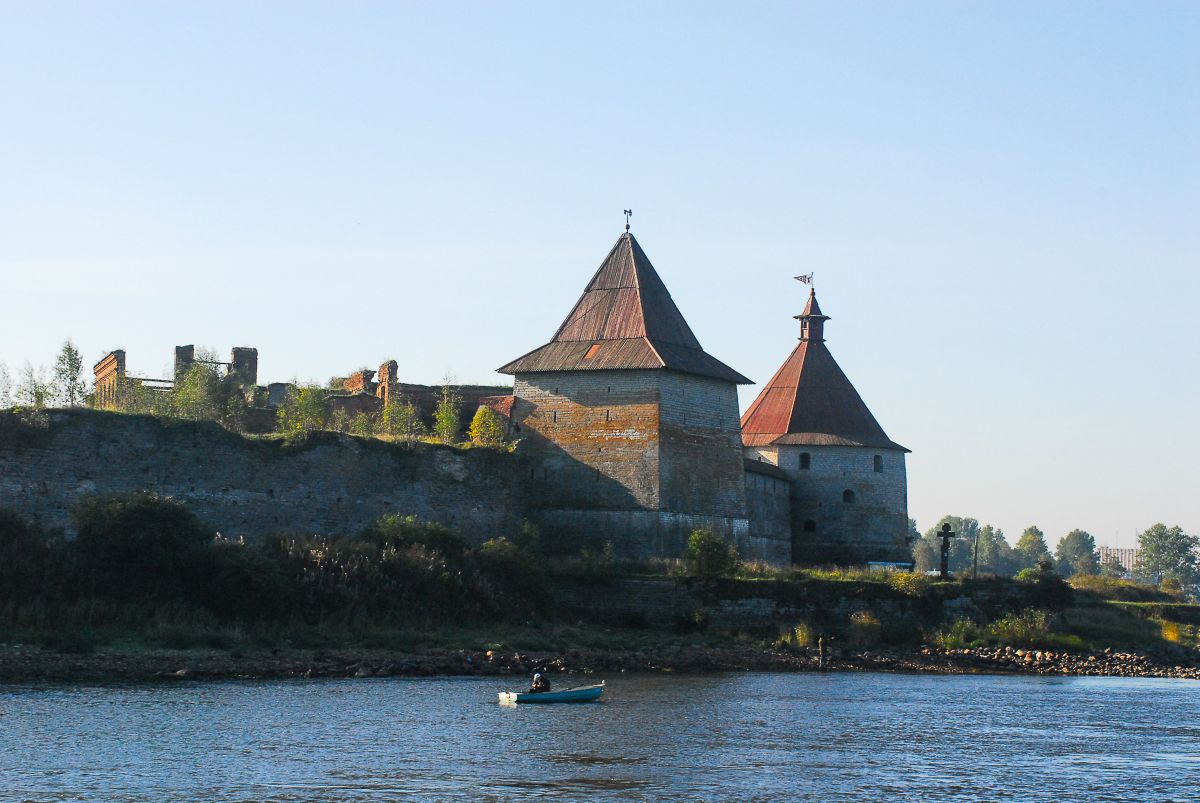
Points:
625	319
810	401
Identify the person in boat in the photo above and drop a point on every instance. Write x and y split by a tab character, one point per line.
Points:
539	685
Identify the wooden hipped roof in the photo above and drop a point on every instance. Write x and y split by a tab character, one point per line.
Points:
625	319
810	402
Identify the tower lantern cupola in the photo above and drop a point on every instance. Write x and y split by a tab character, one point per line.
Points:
812	320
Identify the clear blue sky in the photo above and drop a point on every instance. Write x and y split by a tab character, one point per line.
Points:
999	201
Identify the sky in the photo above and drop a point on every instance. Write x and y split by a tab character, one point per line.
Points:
999	202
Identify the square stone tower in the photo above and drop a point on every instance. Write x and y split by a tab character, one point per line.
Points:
631	427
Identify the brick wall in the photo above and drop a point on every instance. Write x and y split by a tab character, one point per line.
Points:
254	488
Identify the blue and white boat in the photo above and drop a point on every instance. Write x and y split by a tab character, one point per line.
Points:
579	694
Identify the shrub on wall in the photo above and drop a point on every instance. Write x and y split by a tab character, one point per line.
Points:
401	419
304	410
487	428
446	421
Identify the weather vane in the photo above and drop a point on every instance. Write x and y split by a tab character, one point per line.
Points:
628	214
804	278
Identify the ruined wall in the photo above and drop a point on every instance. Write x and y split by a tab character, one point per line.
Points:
827	527
254	488
109	379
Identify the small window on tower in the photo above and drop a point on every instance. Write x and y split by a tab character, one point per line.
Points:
848	496
805	461
810	526
592	351
878	464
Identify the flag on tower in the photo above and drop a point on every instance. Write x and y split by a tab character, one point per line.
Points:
806	279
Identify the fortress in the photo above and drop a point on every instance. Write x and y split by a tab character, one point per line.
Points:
633	429
627	432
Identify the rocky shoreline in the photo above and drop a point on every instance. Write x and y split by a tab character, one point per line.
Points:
33	664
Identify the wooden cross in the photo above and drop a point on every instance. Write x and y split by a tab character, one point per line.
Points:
946	535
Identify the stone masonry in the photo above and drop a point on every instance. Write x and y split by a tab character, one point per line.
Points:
333	484
849	503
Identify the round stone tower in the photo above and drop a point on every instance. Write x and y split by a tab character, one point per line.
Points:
850	492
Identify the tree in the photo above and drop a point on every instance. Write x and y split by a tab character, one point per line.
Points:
1076	554
1167	553
1031	548
914	535
304	410
5	387
1111	567
928	552
200	395
134	397
447	422
401	419
363	425
35	389
69	387
995	554
487	428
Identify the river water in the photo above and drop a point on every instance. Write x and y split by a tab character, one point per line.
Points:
717	737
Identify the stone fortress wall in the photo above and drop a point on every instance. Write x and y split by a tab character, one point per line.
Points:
253	488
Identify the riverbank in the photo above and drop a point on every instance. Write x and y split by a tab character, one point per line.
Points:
20	663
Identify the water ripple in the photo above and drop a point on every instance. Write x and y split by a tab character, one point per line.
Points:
734	737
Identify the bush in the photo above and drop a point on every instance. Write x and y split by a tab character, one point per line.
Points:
138	546
708	557
799	635
910	584
69	643
865	629
513	570
241	582
398	531
304	410
1029	628
961	634
487	428
598	565
1115	588
23	558
1046	588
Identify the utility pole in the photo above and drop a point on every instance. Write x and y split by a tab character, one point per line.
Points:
975	570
